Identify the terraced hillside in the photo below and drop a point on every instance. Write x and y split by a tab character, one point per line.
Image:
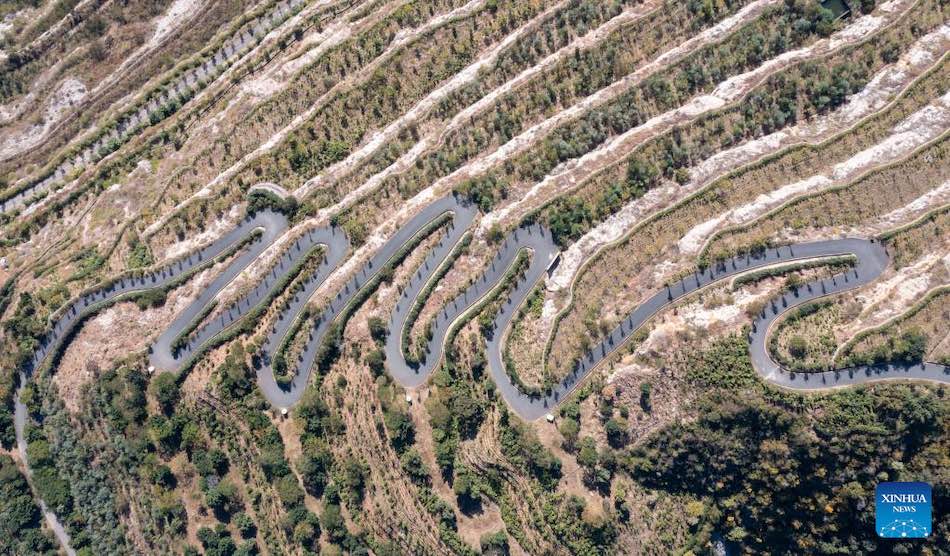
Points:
484	276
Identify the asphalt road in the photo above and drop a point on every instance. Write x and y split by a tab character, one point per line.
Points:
535	240
872	260
871	256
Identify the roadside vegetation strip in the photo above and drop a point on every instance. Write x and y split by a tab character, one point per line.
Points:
330	346
510	368
791	318
282	371
419	303
245	323
834	263
182	338
515	271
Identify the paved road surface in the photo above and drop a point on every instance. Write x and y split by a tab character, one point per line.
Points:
871	256
535	240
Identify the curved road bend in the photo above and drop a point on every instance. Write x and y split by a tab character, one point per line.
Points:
871	256
872	260
462	215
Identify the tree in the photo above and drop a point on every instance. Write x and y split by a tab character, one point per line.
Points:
305	534
641	176
164	389
314	466
793	282
569	429
570	218
289	491
646	393
165	433
20	520
236	376
469	413
162	475
217	541
354	479
212	462
378	329
494	544
523	449
587	457
414	467
332	521
467	491
910	347
797	346
616	430
223	499
400	428
495	234
376	360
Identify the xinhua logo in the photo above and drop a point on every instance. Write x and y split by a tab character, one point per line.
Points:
903	510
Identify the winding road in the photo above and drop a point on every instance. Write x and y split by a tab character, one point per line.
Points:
182	342
247	242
